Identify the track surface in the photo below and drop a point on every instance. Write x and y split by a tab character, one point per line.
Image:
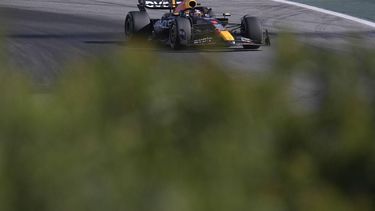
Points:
42	36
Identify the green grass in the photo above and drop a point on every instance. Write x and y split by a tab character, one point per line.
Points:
122	133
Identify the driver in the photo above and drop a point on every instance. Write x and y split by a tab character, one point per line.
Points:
197	13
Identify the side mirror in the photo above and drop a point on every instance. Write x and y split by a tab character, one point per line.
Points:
227	14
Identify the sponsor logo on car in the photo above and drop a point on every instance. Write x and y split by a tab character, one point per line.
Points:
159	4
205	40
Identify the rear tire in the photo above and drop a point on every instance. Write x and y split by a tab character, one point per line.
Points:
252	29
180	33
137	25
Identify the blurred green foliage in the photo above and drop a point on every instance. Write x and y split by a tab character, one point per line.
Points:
131	132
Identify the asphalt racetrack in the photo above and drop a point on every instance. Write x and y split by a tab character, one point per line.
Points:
42	36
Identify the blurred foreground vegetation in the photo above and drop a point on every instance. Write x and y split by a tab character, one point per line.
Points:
125	133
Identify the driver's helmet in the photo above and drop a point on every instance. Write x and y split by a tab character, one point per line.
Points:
197	13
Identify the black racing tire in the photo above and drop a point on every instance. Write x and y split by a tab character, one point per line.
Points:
180	33
137	25
251	28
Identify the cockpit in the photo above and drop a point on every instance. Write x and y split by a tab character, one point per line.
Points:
200	12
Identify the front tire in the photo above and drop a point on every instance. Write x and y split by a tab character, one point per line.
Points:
137	25
180	33
252	29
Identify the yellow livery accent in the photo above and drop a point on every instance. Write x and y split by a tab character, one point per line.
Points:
185	4
226	35
190	4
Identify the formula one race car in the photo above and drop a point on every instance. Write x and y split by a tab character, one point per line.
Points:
189	24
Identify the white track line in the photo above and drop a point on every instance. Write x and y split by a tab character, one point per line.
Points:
348	17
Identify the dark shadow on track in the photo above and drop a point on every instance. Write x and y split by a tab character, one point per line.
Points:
113	39
167	49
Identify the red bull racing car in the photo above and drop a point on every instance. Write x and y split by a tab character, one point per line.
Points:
189	24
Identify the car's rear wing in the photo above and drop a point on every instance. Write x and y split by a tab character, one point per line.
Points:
158	4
